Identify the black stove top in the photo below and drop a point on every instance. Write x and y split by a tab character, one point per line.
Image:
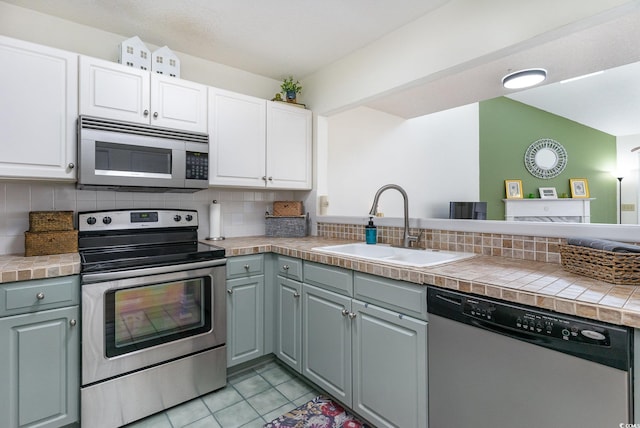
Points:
132	239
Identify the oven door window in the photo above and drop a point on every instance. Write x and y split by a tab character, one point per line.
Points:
150	315
129	160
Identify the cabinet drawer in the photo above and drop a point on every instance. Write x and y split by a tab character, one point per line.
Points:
329	277
32	296
290	268
400	296
241	266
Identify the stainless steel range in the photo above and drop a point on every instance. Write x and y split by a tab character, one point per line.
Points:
153	314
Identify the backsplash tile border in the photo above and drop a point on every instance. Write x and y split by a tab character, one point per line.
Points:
521	247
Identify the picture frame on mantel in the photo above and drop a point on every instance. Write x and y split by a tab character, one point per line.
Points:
548	193
579	187
513	189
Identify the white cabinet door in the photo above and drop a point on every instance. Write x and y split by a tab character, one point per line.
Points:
289	147
389	367
39	108
179	104
114	91
237	139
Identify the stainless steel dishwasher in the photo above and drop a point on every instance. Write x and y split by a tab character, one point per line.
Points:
494	364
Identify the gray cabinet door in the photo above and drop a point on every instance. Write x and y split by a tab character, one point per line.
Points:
39	376
245	319
326	339
289	323
389	367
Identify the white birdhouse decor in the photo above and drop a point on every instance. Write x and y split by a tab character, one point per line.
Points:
164	61
133	53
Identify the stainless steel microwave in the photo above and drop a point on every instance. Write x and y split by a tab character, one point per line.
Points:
115	155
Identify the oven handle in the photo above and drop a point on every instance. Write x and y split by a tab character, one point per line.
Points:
110	276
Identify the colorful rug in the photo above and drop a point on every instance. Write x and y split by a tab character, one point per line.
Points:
321	412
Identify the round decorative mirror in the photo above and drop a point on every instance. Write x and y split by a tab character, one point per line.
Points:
545	158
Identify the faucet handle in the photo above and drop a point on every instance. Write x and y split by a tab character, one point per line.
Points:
413	238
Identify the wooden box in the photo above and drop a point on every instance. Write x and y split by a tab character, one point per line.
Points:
47	243
287	208
49	221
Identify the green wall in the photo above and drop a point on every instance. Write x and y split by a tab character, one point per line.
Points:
508	127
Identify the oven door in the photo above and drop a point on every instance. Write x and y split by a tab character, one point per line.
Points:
153	317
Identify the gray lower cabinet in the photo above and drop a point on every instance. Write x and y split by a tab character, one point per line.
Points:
288	343
372	358
389	367
40	353
245	308
326	339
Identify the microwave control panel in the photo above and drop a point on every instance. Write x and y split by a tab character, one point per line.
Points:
197	166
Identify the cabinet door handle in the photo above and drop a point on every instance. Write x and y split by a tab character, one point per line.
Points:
155	114
246	267
352	315
270	178
40	296
344	312
264	178
145	113
72	323
71	165
230	291
285	267
296	294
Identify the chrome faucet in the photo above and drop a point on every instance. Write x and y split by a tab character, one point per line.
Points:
407	239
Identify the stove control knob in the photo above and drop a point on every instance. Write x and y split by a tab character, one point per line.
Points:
106	220
177	217
188	217
91	220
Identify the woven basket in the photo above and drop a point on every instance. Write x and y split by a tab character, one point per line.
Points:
287	208
47	243
47	221
608	266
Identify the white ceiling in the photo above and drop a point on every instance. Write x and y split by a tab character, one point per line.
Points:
273	38
277	38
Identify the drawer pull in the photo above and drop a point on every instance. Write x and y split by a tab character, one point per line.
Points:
285	267
246	267
72	323
40	296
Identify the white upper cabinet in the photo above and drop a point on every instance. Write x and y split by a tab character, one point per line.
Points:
38	109
237	139
288	147
257	143
112	90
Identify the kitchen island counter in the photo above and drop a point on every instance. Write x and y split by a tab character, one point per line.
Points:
539	284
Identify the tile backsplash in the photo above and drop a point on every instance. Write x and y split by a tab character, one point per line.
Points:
242	210
542	249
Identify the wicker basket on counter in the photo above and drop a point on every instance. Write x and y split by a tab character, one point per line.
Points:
288	208
50	232
609	266
286	226
48	221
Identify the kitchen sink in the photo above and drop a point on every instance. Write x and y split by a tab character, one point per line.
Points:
395	255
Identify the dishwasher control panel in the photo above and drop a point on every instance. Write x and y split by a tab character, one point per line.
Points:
533	322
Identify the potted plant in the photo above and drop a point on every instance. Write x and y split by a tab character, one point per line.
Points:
290	89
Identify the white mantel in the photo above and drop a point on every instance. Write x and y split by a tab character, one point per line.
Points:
551	210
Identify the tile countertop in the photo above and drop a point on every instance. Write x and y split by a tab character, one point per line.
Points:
544	285
17	268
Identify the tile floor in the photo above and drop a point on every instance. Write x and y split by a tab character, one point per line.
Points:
251	399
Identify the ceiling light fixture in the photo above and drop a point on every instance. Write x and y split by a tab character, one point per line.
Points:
524	78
